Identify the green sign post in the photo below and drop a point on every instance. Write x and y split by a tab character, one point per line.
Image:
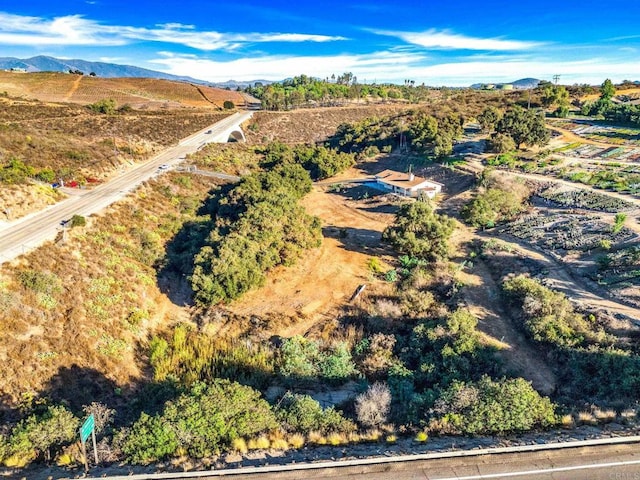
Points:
88	428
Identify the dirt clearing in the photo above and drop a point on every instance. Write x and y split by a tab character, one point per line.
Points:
327	276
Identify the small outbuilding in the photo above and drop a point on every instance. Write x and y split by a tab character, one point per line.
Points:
407	184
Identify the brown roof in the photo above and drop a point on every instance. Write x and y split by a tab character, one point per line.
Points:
400	179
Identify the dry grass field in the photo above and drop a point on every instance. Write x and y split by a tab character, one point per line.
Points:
137	92
78	144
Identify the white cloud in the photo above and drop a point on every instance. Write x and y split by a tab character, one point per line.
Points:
77	30
436	39
395	67
382	66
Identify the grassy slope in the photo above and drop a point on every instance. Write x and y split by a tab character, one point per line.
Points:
100	300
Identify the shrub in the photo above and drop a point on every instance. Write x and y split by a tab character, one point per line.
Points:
373	406
493	407
15	172
203	421
78	221
105	106
303	414
150	439
501	143
40	282
228	105
421	437
549	316
41	434
420	232
46	175
492	206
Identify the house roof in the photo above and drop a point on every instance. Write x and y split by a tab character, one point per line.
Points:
403	180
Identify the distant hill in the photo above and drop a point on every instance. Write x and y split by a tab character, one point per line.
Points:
43	63
522	84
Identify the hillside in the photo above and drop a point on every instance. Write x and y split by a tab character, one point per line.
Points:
138	92
43	63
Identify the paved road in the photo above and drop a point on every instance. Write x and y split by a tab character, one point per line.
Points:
603	462
30	232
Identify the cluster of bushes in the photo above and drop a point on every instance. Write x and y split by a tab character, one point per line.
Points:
492	407
189	356
16	172
549	316
498	200
589	364
427	134
319	161
258	225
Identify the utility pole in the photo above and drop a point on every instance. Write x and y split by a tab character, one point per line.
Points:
556	77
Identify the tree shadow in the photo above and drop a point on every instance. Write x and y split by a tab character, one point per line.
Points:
177	264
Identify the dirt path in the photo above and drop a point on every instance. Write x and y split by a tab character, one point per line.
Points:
559	277
327	276
481	295
74	88
571	137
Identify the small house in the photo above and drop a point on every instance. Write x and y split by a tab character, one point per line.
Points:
407	184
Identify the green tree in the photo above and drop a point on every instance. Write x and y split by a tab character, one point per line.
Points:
489	118
524	126
420	232
228	105
607	90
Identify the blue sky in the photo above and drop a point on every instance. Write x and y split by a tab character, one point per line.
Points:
431	42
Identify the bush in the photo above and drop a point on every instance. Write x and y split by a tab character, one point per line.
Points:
46	175
106	106
203	421
420	232
303	414
15	172
78	221
493	407
492	206
40	282
549	316
302	359
373	406
149	439
228	105
42	434
500	143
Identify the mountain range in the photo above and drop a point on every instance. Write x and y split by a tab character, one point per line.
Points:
522	84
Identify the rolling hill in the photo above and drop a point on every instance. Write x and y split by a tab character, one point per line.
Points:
137	92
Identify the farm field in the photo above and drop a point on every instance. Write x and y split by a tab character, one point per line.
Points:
140	93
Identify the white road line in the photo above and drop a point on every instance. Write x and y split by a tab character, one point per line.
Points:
541	471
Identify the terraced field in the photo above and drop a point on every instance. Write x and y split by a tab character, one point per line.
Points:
137	92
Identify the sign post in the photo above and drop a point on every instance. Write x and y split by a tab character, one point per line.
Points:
88	428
